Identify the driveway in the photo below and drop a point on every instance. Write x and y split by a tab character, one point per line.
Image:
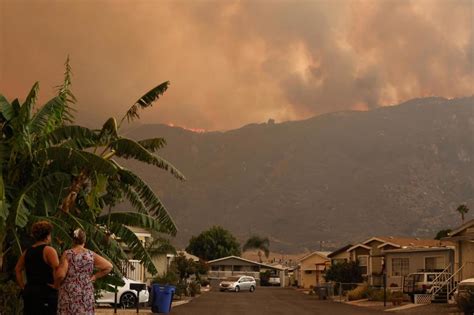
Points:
265	301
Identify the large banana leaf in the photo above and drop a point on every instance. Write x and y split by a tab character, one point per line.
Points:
153	144
127	148
134	244
70	159
153	204
73	136
48	117
146	101
135	219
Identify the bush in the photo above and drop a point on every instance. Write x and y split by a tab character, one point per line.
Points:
361	292
10	301
194	288
465	302
166	278
181	289
377	295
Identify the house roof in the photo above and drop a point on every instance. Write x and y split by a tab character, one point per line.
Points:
466	225
406	241
419	249
319	253
356	246
339	250
243	259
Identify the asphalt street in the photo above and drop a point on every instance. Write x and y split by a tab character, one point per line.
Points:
263	301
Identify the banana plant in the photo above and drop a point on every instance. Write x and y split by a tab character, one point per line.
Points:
52	169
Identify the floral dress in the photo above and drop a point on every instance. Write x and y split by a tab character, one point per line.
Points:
76	294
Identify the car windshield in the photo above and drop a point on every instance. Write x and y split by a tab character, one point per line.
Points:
233	279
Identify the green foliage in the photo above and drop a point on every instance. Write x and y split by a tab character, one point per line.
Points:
169	277
360	292
259	243
377	295
345	272
265	278
214	243
9	301
441	234
194	288
51	169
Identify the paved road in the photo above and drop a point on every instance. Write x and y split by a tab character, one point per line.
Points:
264	301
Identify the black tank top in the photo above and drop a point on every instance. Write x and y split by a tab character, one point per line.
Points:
38	272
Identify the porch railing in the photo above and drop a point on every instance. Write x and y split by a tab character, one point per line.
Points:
224	274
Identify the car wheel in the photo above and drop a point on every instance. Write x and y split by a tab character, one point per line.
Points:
128	300
237	289
252	288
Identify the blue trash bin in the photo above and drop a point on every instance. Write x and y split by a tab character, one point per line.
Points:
162	298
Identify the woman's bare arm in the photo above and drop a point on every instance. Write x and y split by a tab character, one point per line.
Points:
61	271
103	265
20	266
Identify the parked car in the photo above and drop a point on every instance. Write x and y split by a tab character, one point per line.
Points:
238	283
419	282
274	280
465	286
125	296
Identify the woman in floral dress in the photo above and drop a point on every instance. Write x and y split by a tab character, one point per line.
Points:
76	293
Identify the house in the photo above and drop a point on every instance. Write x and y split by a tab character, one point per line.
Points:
224	267
340	255
311	269
369	254
400	262
463	238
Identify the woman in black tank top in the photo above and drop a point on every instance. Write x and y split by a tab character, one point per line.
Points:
39	263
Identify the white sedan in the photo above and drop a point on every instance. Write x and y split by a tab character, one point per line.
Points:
125	296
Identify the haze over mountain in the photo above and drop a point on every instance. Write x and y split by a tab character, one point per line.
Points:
334	178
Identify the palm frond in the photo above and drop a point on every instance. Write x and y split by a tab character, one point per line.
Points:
109	130
127	148
145	101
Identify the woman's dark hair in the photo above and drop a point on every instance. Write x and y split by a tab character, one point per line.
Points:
40	230
78	236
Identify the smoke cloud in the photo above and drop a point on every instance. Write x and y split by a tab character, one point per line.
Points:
236	62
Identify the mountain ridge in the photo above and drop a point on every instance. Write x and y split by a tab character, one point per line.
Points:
332	178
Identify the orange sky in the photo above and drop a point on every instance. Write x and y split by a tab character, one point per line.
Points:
235	62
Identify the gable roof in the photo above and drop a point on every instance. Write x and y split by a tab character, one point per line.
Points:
233	257
466	225
323	255
339	250
246	260
406	241
358	245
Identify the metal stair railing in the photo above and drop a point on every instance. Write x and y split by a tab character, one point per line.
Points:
448	283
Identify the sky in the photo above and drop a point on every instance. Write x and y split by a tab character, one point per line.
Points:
231	63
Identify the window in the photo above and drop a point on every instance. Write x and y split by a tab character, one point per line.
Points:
363	264
434	263
400	266
308	272
336	261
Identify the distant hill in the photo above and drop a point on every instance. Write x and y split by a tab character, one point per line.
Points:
324	181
